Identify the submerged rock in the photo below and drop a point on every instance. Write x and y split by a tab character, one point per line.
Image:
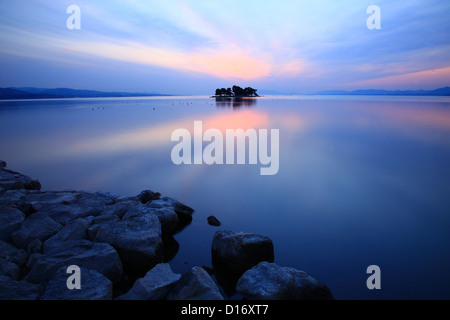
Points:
154	285
213	221
195	284
268	281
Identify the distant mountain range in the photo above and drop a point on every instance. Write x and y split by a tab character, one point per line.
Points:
437	92
38	93
59	93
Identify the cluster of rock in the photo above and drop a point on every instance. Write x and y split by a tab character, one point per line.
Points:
122	246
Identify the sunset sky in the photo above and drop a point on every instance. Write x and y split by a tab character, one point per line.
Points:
193	47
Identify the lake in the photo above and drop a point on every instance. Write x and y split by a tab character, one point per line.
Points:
362	180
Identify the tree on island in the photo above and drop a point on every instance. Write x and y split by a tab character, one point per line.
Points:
237	91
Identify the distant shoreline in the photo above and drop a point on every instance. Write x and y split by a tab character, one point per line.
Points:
15	94
30	93
237	97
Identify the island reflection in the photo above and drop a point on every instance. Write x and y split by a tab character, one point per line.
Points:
235	102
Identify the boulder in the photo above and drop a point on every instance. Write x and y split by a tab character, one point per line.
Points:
12	180
94	286
154	285
10	269
18	290
183	212
195	284
2	164
100	257
67	206
34	246
213	221
37	226
66	213
235	253
268	281
118	209
162	203
13	197
45	198
168	219
76	230
97	200
11	253
137	239
10	221
148	195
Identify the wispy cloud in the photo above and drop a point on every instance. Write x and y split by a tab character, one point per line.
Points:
294	45
428	79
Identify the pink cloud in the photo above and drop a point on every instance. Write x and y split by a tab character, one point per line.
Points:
428	79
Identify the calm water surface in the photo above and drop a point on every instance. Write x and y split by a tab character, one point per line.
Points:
362	180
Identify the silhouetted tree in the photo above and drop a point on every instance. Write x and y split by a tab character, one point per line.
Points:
238	91
250	92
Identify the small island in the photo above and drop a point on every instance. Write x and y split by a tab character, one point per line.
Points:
236	91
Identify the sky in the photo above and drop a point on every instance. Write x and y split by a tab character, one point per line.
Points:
194	47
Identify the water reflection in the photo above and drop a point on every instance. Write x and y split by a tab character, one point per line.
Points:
232	102
359	181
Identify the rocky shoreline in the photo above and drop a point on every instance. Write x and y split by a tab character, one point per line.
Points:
122	247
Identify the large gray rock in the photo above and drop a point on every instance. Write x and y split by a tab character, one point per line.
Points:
195	284
10	253
37	226
10	269
154	286
13	197
98	200
235	253
168	219
41	199
118	209
94	286
10	221
100	257
137	238
76	230
12	180
66	213
184	213
18	290
66	206
148	195
268	281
